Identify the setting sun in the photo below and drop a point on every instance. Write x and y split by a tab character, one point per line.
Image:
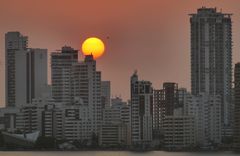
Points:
93	46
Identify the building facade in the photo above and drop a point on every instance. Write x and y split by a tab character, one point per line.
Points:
61	65
237	106
14	41
26	70
179	132
113	135
206	110
86	91
211	57
165	102
141	112
106	93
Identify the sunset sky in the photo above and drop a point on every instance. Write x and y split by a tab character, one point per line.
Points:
152	36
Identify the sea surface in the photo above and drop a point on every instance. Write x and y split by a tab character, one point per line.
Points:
116	153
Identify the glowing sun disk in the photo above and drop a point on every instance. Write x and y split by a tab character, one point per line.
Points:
93	46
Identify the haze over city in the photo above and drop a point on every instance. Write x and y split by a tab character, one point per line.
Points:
150	36
134	76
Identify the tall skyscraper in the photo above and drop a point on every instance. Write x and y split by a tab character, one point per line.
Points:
61	65
37	72
26	70
141	111
14	41
211	57
237	107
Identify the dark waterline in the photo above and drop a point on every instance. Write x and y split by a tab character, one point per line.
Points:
114	153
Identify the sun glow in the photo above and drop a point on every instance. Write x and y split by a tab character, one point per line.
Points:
93	46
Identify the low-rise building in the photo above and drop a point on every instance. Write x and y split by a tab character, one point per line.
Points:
113	135
179	132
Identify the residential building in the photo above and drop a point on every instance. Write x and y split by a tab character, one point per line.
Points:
61	66
113	135
14	41
179	132
106	93
211	58
165	102
26	70
206	110
86	91
237	107
141	112
8	119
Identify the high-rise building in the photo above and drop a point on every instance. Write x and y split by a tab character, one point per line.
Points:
211	57
106	93
26	70
86	89
141	111
237	106
77	86
14	41
61	65
165	101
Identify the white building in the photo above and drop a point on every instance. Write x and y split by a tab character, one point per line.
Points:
30	116
26	70
77	86
86	91
206	110
77	125
115	129
196	123
53	120
141	112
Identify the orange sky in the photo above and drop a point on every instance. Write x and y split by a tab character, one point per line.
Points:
152	36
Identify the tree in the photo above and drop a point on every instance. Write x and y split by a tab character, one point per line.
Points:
2	143
94	140
45	143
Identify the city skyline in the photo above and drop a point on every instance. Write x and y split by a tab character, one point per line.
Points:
75	110
133	48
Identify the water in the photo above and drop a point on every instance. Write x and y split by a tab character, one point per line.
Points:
117	153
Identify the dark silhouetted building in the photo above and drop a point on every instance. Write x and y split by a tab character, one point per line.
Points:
237	107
